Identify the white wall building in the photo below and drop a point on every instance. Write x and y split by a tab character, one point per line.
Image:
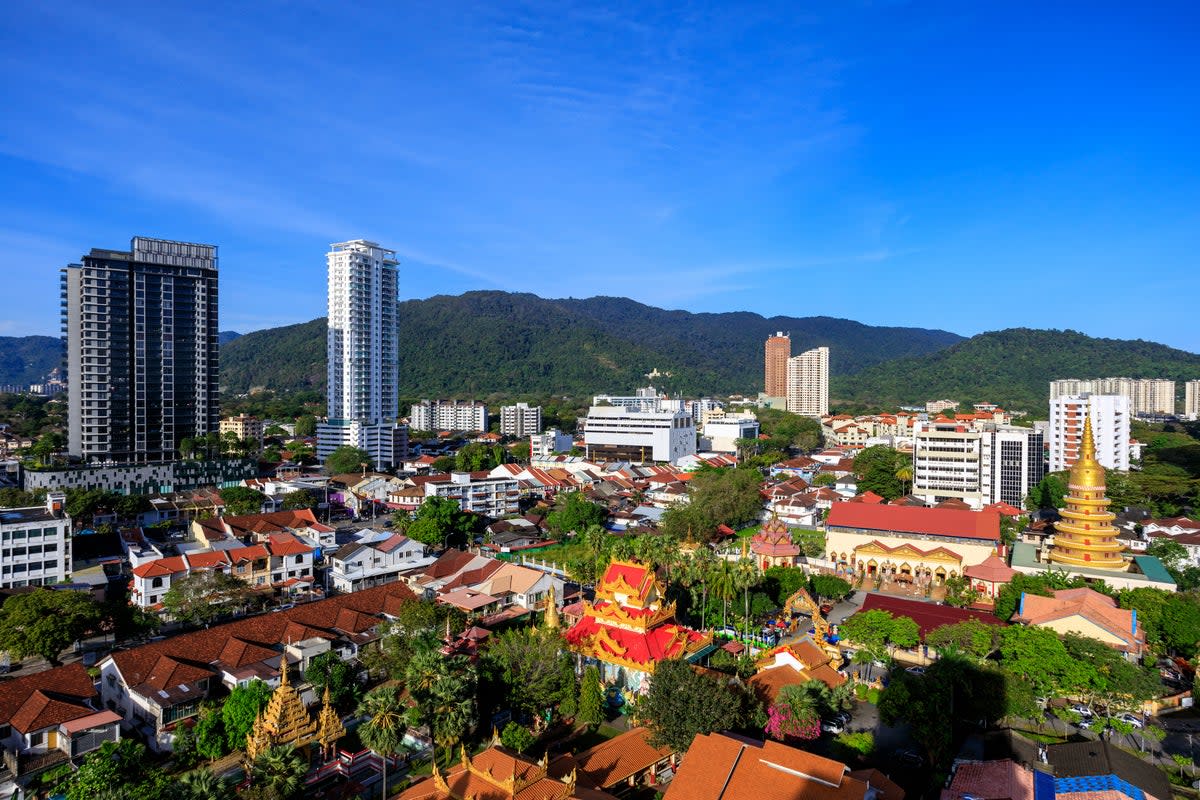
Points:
613	433
547	443
1191	399
644	399
978	465
362	350
808	383
520	420
373	558
1110	425
480	493
448	415
35	544
720	434
1145	395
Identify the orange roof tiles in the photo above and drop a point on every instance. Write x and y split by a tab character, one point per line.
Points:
912	519
615	760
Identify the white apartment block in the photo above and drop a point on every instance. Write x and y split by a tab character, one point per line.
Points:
520	420
1191	399
35	544
374	558
980	465
479	493
448	415
362	349
547	443
938	406
1145	395
644	399
1110	427
720	434
613	433
808	383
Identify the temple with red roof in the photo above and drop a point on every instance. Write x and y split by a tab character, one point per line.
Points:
772	545
627	629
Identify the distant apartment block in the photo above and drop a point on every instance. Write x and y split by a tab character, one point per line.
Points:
520	420
940	406
160	478
613	433
808	383
778	350
448	415
547	443
244	427
140	333
477	492
35	544
1191	399
644	399
978	464
1110	426
720	434
1145	395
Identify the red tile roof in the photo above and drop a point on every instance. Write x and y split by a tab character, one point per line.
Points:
621	757
958	523
928	616
28	700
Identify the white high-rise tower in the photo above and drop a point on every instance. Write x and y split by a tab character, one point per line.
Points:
808	383
363	352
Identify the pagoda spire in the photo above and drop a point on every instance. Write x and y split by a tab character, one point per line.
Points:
551	620
1084	536
329	726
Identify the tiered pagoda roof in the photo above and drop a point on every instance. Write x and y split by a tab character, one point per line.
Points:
774	539
1084	536
285	720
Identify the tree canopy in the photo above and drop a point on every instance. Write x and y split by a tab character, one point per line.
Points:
347	459
240	500
440	520
203	596
45	622
574	512
683	703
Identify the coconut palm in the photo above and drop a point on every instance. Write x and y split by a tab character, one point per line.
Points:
725	586
748	576
204	784
384	729
280	771
904	474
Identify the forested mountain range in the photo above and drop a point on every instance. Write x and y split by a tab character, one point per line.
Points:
496	342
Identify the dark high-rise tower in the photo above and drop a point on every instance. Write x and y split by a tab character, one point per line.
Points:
140	329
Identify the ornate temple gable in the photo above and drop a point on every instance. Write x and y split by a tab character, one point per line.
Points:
629	583
619	616
285	720
878	548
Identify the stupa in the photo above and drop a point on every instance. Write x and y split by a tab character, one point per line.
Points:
1085	536
285	720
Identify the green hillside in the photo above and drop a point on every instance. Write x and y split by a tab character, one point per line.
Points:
28	359
1013	368
487	342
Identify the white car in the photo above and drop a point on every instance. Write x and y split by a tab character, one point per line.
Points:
1082	710
1131	719
832	726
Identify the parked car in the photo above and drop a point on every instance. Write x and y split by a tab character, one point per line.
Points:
832	726
916	670
1131	719
844	717
1084	725
1082	710
908	757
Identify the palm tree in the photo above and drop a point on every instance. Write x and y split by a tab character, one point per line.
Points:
280	770
725	586
702	563
748	576
384	729
904	474
204	784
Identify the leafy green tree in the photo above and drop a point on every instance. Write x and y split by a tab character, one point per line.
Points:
574	512
203	596
783	582
211	741
535	668
444	690
726	496
439	520
876	630
306	425
45	622
183	746
877	467
1049	493
971	637
683	703
476	457
959	592
240	709
1039	656
591	699
117	764
347	459
204	784
280	772
329	670
301	499
384	729
187	448
516	737
240	500
828	588
824	479
520	451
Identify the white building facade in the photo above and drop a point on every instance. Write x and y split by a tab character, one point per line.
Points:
520	420
35	544
613	433
808	383
547	443
1149	396
978	465
448	415
720	434
362	353
1191	399
1110	426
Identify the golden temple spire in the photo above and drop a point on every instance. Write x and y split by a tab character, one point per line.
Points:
551	619
1087	472
1084	535
283	678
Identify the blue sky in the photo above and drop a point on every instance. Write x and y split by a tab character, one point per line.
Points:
965	166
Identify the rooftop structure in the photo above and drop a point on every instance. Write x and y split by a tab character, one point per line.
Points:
1085	536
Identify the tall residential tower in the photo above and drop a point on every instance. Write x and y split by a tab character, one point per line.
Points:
778	351
808	383
140	333
363	353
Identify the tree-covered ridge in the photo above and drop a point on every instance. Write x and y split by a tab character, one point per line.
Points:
485	342
28	359
1013	368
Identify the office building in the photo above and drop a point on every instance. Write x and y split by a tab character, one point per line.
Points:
140	334
1149	396
979	464
1191	399
808	383
613	433
645	398
778	351
721	434
448	415
36	544
243	427
362	354
546	444
1109	414
520	420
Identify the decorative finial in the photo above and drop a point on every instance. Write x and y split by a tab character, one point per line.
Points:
1088	449
552	621
283	665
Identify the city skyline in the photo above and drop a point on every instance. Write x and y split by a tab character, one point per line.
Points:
731	160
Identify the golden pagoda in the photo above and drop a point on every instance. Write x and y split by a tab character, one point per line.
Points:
285	720
551	619
329	727
1085	536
